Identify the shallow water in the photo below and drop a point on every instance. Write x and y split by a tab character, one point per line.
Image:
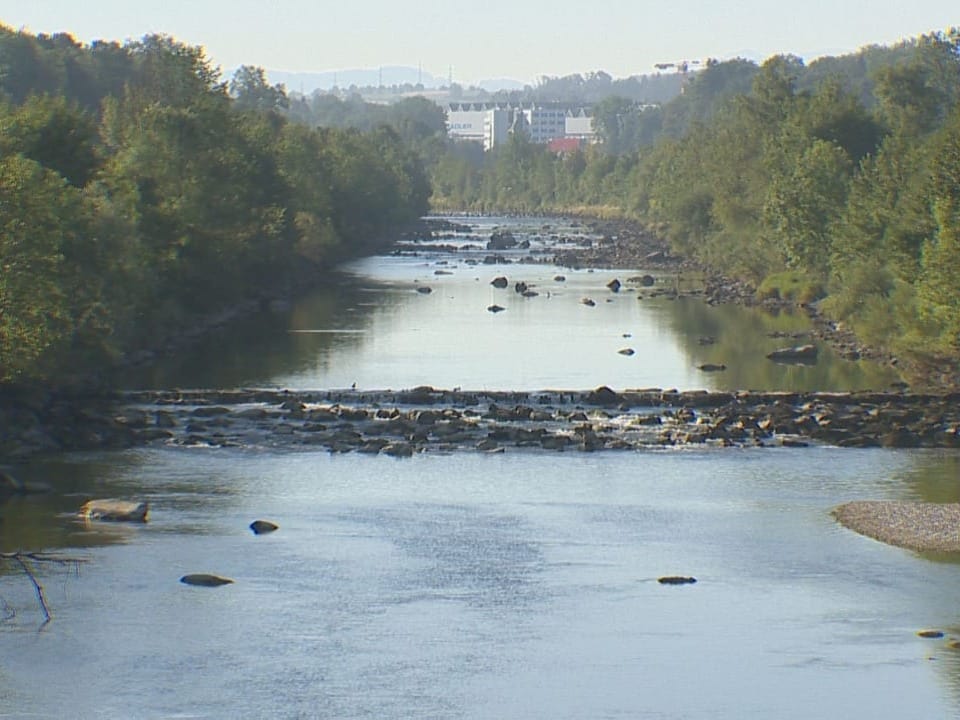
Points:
468	585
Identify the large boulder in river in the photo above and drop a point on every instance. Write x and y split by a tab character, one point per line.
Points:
501	240
799	353
603	396
115	510
499	282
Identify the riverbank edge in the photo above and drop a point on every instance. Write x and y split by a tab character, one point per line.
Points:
917	526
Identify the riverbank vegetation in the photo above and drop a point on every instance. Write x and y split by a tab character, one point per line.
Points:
140	193
845	173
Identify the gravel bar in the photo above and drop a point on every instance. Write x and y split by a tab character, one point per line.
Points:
931	527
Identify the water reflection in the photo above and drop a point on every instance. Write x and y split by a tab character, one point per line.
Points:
369	325
742	337
271	343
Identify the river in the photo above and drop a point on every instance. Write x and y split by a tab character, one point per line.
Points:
473	585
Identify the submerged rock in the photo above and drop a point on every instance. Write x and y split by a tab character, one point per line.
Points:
205	580
799	353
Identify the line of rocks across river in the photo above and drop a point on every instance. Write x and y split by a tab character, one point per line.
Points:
424	419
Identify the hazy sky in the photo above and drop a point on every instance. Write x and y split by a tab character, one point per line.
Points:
521	39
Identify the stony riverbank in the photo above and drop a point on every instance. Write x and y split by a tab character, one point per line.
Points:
407	422
924	527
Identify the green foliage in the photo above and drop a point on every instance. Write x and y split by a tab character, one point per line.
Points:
48	309
172	201
251	91
791	285
55	133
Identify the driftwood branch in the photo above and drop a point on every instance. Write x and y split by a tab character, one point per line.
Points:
21	558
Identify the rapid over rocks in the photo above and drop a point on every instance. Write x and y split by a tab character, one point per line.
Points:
424	419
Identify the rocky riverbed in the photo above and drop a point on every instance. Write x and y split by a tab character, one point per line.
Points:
403	423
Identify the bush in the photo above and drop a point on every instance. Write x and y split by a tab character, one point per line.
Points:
791	285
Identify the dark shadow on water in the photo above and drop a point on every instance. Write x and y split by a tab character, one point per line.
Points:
741	338
255	349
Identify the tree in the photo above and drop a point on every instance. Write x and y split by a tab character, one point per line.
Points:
251	91
42	219
804	204
54	132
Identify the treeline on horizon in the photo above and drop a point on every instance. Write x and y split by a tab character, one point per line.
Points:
575	89
139	193
837	181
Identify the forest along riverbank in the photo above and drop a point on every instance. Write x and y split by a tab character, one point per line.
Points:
425	419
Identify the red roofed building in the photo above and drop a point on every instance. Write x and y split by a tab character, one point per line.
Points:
564	145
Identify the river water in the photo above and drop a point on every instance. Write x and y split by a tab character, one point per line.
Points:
469	585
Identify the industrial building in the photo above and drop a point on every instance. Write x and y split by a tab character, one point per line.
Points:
491	123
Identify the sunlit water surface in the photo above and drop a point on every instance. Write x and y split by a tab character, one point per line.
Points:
520	585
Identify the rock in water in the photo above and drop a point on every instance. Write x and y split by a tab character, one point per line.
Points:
115	510
712	367
676	580
800	353
261	527
495	309
205	580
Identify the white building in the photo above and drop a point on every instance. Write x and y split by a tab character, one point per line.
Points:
492	123
465	121
496	127
578	124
